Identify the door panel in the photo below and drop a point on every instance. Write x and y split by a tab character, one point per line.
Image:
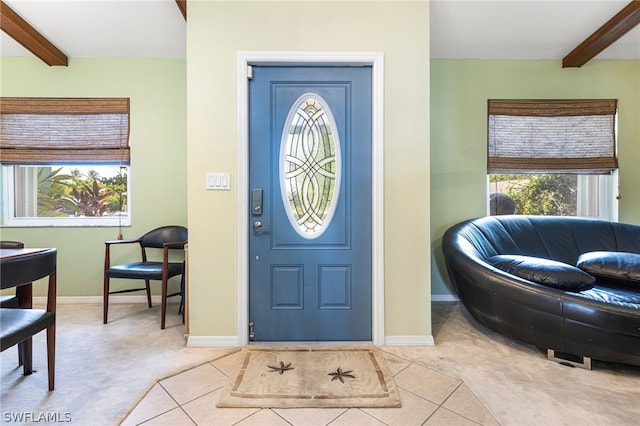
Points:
308	281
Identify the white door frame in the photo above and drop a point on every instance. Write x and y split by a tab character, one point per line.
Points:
376	61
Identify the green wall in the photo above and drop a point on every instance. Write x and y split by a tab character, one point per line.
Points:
157	89
459	93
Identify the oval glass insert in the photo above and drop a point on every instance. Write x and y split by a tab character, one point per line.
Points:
310	165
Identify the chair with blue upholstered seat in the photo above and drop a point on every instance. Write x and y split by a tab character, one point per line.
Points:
166	238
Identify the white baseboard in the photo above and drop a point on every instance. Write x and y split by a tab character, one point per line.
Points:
409	341
212	341
444	298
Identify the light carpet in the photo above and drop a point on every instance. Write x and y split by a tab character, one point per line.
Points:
311	378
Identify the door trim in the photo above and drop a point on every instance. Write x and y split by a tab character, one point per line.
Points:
376	61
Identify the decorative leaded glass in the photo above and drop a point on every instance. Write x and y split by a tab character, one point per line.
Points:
310	165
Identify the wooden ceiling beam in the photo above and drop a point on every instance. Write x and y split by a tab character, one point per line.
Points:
611	31
182	5
20	30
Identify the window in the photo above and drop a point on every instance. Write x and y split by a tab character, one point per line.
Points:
310	166
552	157
554	194
65	161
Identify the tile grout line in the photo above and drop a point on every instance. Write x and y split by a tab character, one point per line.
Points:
357	409
458	414
251	415
441	406
276	413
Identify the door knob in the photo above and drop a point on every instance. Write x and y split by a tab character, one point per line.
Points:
258	226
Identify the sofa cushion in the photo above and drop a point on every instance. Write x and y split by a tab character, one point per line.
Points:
544	271
617	268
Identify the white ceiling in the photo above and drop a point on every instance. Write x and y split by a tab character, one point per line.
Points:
480	29
103	28
524	29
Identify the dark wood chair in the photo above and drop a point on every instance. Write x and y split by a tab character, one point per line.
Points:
9	300
18	325
167	238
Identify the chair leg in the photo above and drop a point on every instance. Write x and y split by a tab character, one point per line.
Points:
51	355
105	302
164	303
148	292
27	356
19	354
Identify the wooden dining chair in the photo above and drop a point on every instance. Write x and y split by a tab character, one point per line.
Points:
166	238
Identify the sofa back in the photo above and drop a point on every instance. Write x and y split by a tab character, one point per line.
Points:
560	238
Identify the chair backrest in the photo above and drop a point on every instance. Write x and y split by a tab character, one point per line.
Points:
18	270
11	244
165	234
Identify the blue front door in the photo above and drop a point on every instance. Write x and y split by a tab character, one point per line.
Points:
310	203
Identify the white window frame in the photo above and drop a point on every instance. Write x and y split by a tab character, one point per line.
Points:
10	220
596	196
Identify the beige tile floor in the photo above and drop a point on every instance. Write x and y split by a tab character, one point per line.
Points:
429	397
103	372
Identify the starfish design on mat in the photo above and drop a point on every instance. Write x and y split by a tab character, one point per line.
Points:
283	367
340	375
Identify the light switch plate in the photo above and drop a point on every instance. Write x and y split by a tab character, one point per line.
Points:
218	181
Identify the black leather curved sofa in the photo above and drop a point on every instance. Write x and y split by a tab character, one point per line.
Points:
521	276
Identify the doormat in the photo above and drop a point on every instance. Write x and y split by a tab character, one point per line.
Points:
311	378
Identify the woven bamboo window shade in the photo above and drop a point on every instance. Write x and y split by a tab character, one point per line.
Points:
552	136
64	131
